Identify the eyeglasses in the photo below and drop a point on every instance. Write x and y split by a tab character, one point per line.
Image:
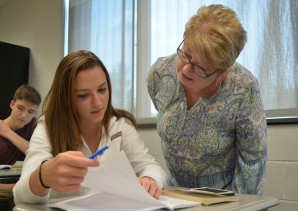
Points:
197	69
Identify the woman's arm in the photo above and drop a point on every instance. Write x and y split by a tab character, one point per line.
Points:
161	80
152	81
251	141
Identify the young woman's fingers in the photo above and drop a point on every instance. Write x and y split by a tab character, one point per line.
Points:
76	159
68	188
151	186
158	192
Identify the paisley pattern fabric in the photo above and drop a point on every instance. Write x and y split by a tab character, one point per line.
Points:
220	142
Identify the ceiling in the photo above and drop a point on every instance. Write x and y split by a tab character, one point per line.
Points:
4	2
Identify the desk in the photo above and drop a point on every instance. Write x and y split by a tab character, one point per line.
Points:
7	175
246	203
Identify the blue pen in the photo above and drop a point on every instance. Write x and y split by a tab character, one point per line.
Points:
99	152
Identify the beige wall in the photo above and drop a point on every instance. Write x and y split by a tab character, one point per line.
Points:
38	24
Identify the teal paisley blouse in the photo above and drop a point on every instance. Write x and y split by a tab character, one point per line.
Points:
221	141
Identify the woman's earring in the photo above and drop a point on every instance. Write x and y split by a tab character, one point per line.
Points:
218	82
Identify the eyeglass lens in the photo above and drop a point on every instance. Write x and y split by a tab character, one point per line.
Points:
196	68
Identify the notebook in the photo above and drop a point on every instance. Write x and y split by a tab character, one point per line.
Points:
120	190
205	199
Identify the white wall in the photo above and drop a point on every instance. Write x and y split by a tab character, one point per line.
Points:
38	24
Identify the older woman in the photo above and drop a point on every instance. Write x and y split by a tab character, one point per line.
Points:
211	117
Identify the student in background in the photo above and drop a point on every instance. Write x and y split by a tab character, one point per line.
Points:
15	133
16	130
79	120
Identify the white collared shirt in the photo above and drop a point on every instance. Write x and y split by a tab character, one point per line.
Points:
122	136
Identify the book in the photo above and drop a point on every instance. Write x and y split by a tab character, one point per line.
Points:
119	189
205	199
17	167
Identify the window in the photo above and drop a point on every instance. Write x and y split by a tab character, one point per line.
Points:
129	35
105	28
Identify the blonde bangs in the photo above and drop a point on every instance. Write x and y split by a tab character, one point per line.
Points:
217	35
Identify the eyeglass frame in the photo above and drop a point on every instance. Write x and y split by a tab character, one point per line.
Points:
189	62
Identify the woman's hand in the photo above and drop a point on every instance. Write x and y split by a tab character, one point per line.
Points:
151	186
64	173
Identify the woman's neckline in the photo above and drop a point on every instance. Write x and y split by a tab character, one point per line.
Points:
198	97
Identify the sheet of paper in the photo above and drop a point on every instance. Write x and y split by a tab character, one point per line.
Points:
115	175
5	166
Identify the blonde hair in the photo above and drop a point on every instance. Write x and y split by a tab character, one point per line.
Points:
61	118
217	34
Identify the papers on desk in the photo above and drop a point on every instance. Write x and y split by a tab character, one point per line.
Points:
14	168
121	190
17	167
5	166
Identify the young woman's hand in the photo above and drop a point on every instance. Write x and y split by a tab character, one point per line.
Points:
151	186
64	173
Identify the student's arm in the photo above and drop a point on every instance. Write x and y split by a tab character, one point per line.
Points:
60	173
14	138
4	187
64	173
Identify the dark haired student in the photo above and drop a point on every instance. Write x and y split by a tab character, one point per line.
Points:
15	133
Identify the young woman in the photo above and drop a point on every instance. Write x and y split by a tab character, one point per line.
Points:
78	120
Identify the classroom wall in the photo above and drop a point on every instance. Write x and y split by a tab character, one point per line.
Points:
38	24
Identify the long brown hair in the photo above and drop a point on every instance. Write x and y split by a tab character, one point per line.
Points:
61	118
